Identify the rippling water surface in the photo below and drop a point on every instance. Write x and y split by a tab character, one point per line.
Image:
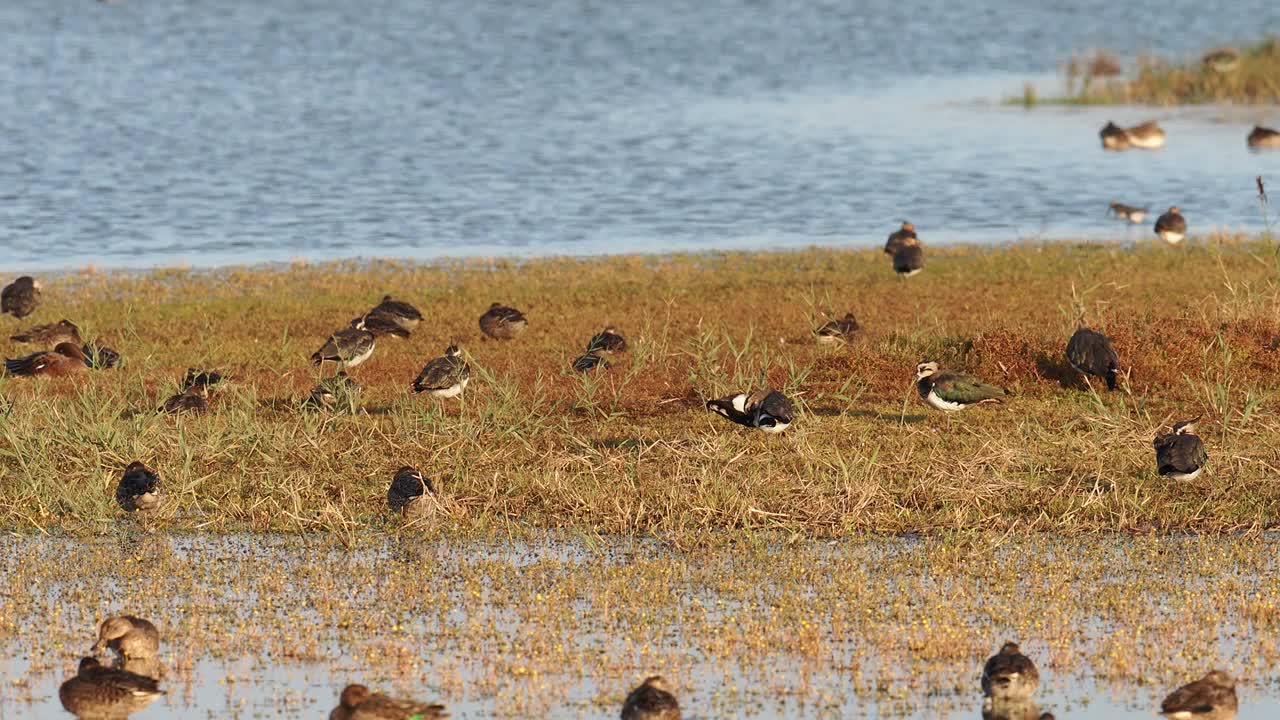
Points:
148	132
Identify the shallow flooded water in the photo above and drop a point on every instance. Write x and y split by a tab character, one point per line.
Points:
140	133
556	626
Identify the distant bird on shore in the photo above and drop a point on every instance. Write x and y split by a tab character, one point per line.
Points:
1133	214
1090	352
332	392
357	703
412	494
951	391
651	700
1212	697
909	257
1114	137
63	331
767	410
348	347
1147	136
590	361
444	377
608	340
1180	455
99	357
1264	138
897	237
1171	226
99	693
20	297
1222	60
1009	675
503	323
139	488
128	636
65	359
401	313
843	329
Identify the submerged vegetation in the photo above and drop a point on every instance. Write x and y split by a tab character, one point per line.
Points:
631	448
1247	75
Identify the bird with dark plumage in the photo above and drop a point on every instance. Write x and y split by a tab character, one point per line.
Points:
102	693
950	391
1114	137
333	393
99	357
357	703
348	347
1263	138
651	700
1212	697
590	361
207	380
129	636
1090	352
188	401
446	376
1171	226
401	313
139	488
767	410
1009	675
908	259
1134	215
503	323
412	494
608	340
843	329
1180	455
20	297
898	237
63	331
382	326
65	359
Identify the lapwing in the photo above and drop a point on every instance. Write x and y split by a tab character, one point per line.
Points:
192	400
767	410
843	329
1180	455
651	700
1222	60
590	361
1171	226
398	311
1091	353
950	391
1134	215
1264	138
20	297
608	340
333	393
909	258
65	359
139	488
446	376
1148	136
503	323
49	335
1114	137
348	347
382	326
128	636
412	494
357	703
99	357
98	692
1010	676
206	380
897	237
1212	697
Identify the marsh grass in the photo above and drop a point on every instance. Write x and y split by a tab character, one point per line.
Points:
631	449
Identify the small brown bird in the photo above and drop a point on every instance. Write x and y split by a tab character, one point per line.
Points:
1010	676
412	494
101	693
1134	215
1212	697
139	488
20	297
608	340
191	400
207	381
357	703
1114	137
503	323
909	258
99	357
1222	60
1180	455
1148	136
898	237
65	359
63	331
129	636
843	329
1171	226
1264	138
334	393
651	700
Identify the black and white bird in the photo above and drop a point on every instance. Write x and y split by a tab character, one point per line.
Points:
950	391
651	700
503	323
20	297
1010	676
843	329
334	393
382	326
411	494
1180	455
446	376
608	340
898	237
63	331
1171	226
1091	353
1212	697
908	259
397	311
1134	215
590	361
139	488
348	347
767	410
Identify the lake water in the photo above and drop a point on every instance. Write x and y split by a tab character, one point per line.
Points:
205	133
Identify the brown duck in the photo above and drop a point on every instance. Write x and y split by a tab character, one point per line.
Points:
65	359
357	703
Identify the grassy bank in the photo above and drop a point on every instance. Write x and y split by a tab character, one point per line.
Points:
1250	76
632	450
